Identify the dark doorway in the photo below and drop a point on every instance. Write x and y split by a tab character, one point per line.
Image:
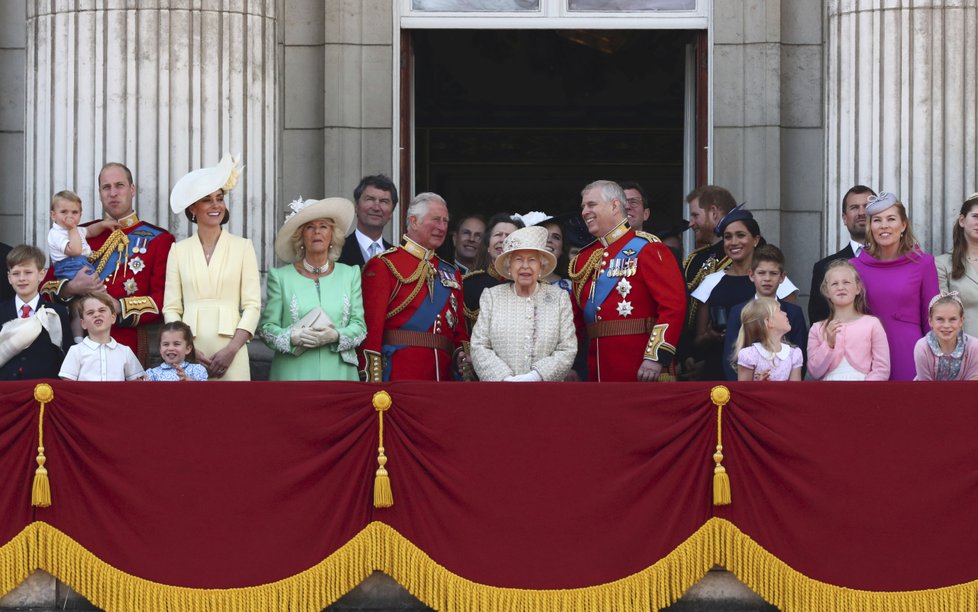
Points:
521	120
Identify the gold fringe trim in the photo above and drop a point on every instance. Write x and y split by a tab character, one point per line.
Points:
380	547
792	591
17	560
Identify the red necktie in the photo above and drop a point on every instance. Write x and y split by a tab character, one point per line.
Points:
25	311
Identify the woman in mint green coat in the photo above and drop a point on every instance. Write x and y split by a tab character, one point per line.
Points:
313	316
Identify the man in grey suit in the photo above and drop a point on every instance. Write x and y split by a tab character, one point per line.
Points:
374	200
854	216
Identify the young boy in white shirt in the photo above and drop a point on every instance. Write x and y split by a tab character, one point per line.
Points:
99	357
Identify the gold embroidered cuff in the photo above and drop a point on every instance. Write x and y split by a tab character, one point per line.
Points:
374	368
657	349
52	289
134	307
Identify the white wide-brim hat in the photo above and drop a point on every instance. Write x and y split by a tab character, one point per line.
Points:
340	210
533	238
199	183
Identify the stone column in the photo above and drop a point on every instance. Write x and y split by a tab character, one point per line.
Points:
902	108
164	86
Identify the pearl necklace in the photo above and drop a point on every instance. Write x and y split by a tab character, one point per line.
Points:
313	269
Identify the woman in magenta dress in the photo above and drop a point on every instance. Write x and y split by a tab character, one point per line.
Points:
899	278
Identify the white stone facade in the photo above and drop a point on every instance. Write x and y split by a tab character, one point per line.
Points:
806	98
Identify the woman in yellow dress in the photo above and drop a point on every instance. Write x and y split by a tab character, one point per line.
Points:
212	279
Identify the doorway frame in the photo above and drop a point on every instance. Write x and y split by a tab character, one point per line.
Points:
697	161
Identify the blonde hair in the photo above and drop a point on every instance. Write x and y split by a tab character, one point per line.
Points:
68	196
859	303
753	325
908	241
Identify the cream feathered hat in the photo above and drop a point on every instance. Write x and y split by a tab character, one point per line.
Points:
533	238
199	183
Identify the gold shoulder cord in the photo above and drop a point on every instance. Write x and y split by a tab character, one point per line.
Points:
421	274
591	267
117	241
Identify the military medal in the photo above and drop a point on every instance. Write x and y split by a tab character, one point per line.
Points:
624	308
136	264
450	319
130	286
139	245
453	302
448	279
624	287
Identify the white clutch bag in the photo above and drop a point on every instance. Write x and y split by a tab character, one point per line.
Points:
314	319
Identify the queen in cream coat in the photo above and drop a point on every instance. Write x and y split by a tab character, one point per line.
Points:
212	279
525	330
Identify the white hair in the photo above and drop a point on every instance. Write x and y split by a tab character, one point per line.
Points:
610	191
419	204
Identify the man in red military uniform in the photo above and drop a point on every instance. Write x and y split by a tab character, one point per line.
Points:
412	303
628	291
130	263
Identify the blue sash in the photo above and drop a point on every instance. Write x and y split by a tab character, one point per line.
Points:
141	236
604	284
424	316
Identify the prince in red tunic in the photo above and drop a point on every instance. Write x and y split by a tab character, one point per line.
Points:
412	303
628	292
130	263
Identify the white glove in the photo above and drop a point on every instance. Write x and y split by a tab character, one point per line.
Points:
531	376
312	338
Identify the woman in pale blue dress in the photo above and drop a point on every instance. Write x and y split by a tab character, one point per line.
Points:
313	317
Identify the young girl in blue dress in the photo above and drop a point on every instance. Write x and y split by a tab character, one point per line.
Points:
177	351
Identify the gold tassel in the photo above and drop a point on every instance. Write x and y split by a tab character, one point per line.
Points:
383	497
720	395
41	490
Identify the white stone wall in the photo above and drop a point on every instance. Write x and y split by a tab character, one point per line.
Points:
337	101
164	87
12	73
767	116
902	107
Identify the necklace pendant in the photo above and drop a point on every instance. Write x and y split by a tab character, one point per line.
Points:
315	269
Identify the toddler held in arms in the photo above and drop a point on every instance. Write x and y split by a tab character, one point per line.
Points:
67	245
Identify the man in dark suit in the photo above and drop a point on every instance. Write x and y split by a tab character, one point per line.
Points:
27	350
854	216
6	290
374	200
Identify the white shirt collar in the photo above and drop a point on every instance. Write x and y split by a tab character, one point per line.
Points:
856	247
365	241
782	354
95	345
19	303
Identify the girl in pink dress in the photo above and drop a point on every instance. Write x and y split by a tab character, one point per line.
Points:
760	352
850	344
